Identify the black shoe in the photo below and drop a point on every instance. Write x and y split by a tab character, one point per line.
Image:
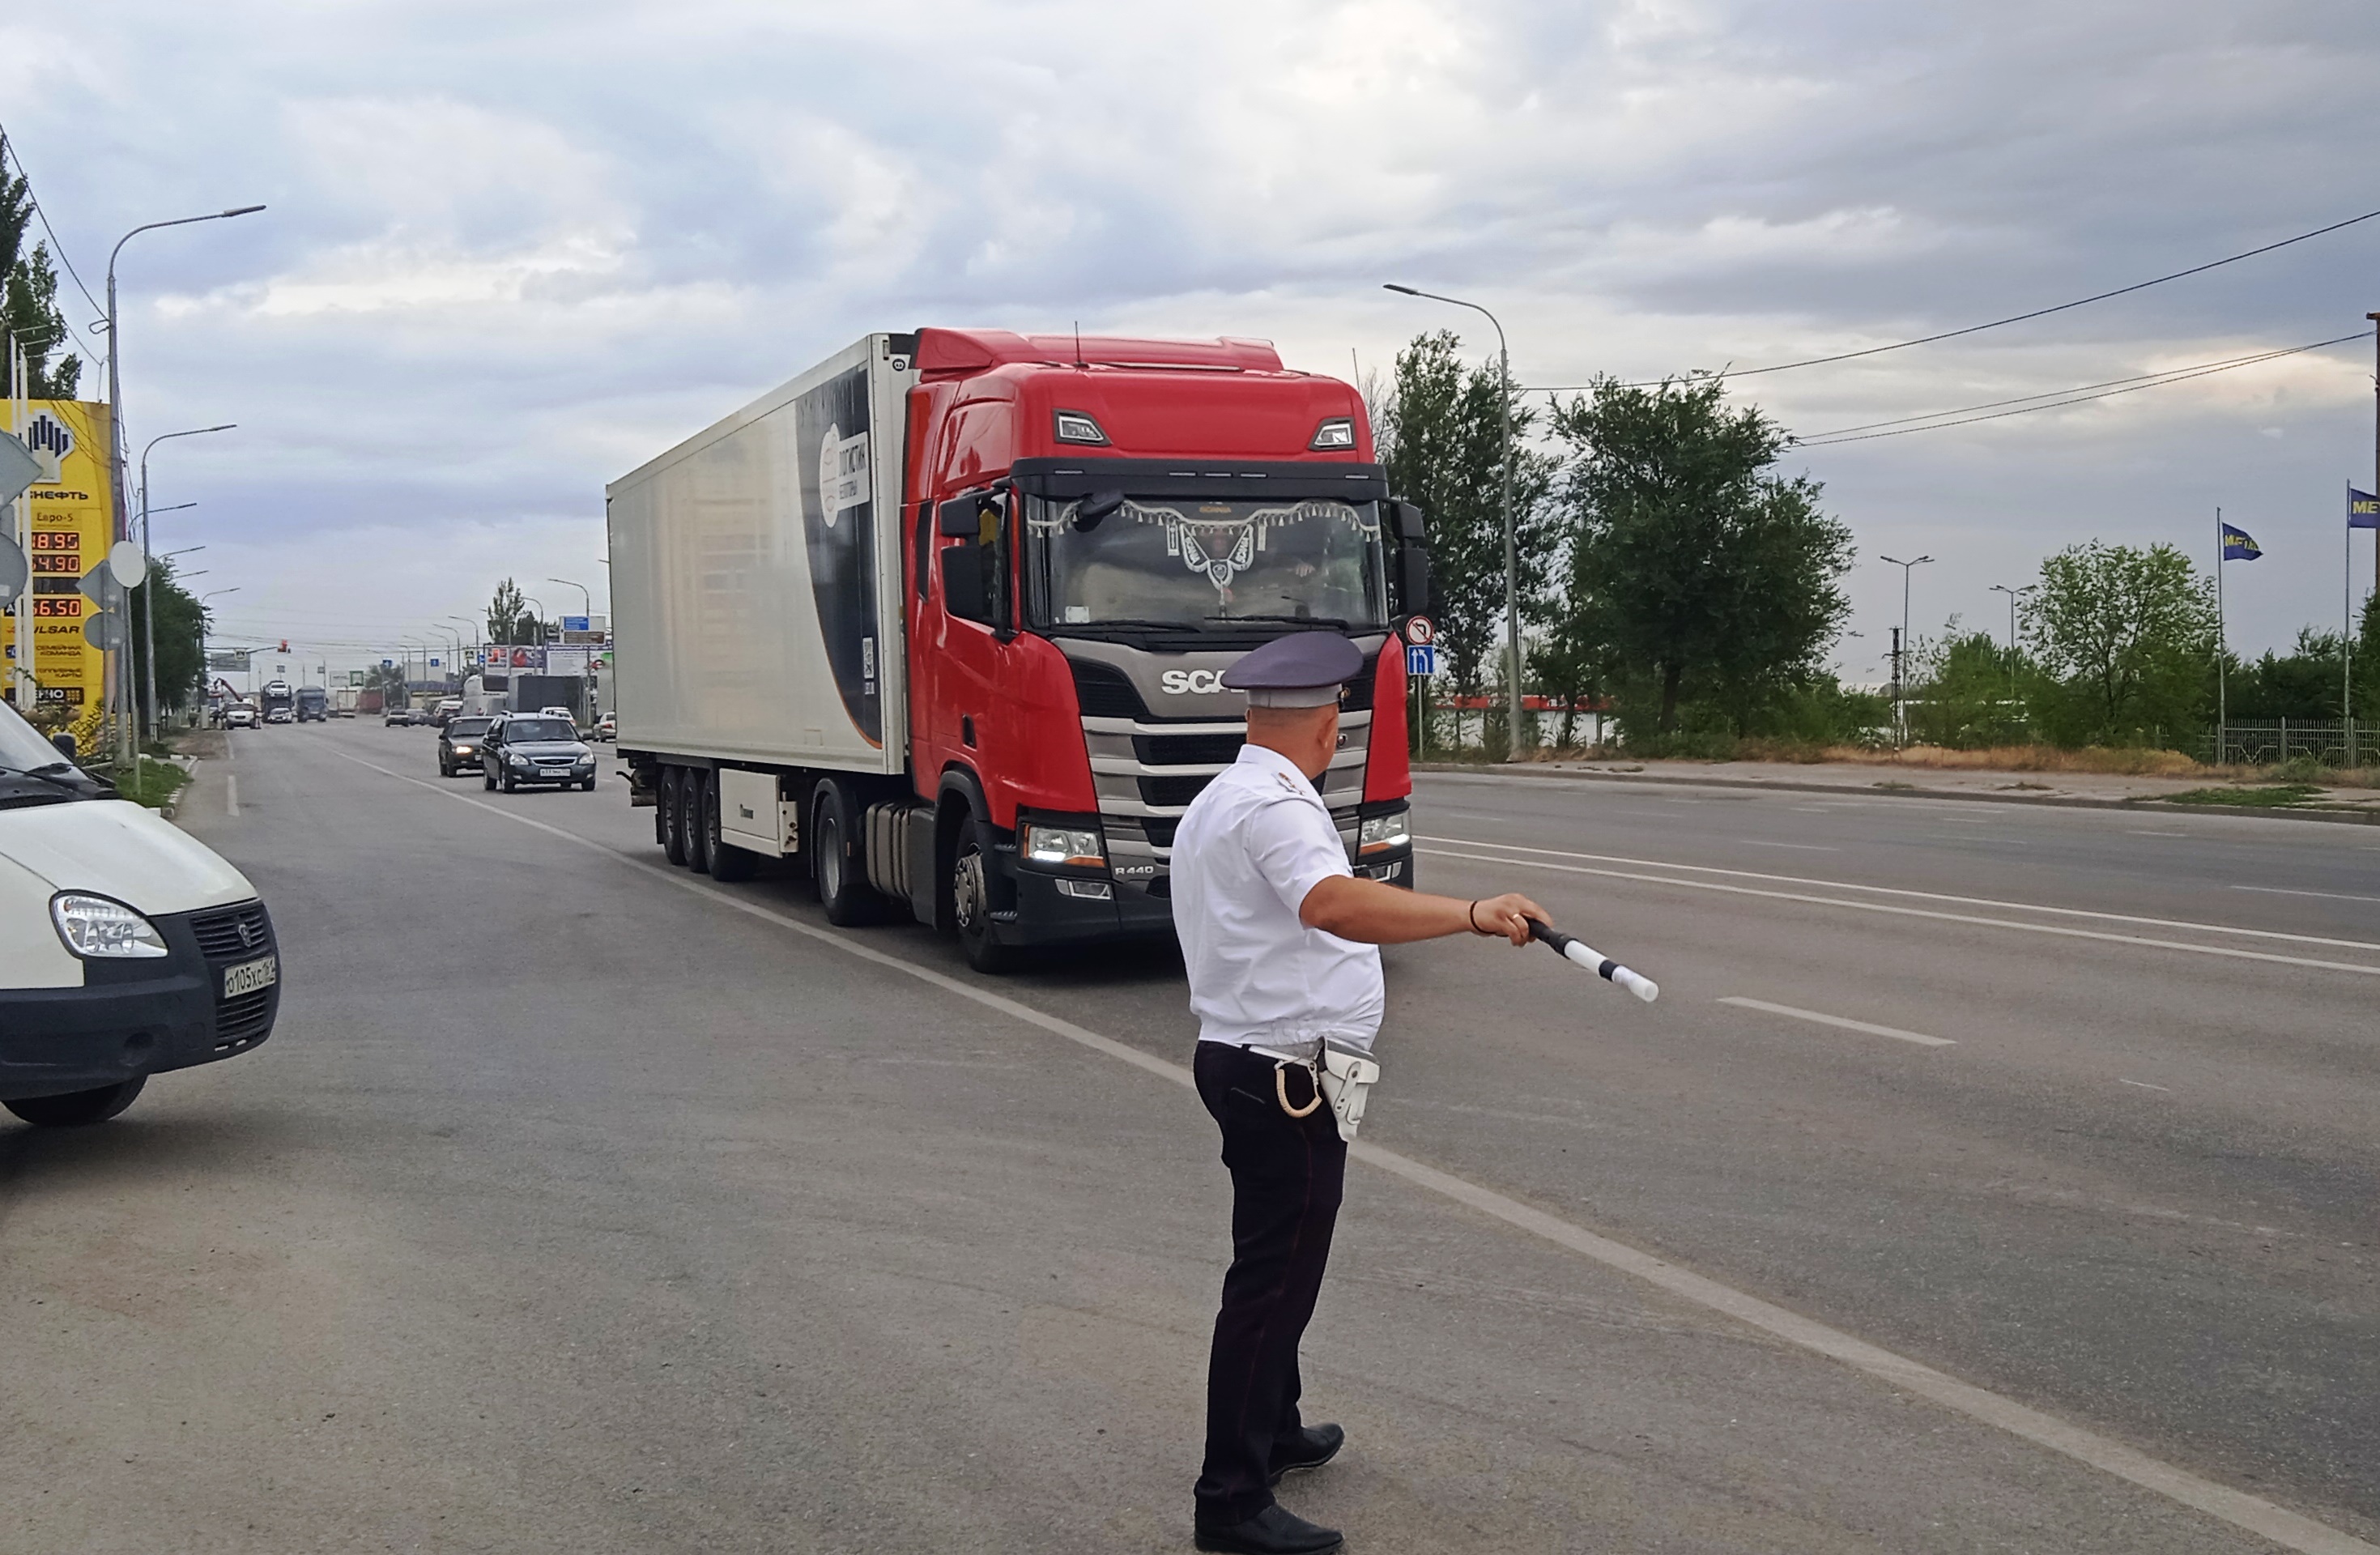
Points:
1310	1448
1272	1531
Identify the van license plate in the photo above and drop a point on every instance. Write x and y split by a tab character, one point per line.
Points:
249	975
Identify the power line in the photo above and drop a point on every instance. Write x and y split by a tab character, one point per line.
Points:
8	150
1995	323
1935	422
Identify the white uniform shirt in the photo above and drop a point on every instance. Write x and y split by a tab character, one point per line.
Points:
1250	847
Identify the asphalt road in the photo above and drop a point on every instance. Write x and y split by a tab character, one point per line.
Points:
578	1203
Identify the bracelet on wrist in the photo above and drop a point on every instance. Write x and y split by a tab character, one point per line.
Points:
1472	913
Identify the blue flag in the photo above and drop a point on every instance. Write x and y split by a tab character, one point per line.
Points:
2239	545
2363	510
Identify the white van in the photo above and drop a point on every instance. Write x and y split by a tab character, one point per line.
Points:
126	947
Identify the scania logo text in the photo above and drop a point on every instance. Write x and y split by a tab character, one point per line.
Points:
1178	682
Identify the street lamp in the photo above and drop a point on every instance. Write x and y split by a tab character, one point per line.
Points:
2013	594
116	369
1511	548
169	556
1900	658
148	595
467	621
586	599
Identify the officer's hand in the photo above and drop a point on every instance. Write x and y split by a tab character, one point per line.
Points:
1508	915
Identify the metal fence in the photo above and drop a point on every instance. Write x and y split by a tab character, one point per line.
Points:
2330	742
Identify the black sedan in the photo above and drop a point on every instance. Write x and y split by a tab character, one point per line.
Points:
459	746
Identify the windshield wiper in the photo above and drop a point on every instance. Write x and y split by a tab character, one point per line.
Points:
1127	623
1338	622
58	773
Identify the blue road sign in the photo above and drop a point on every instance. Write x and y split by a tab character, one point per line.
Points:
573	623
1421	659
388	663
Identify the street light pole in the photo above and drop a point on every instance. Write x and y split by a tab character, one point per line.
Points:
1900	659
2013	594
1512	545
585	599
148	584
116	377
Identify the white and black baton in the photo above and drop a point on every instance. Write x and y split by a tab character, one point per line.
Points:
1595	961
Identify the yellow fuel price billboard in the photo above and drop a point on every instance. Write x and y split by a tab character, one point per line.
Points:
72	525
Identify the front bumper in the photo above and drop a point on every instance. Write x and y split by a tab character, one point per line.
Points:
142	1017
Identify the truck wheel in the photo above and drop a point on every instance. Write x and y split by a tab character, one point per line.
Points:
76	1108
971	902
728	862
694	806
668	822
841	881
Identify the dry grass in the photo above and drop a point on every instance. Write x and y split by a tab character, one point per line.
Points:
2032	758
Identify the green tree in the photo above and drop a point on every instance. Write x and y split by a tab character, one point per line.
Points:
181	638
1696	567
2301	684
509	618
28	291
1963	693
2126	635
2367	661
388	680
1441	437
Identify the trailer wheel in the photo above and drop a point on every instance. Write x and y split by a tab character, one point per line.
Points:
971	905
694	803
77	1108
728	862
670	823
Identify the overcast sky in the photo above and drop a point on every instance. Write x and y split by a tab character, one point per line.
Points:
514	250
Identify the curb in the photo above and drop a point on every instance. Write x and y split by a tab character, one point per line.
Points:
2054	801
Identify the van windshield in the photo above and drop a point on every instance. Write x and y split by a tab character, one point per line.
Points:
22	748
1202	563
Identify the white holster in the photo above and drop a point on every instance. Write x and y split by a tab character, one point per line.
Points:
1345	1079
1341	1079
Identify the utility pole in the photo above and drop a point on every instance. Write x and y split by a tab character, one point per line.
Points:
149	580
2375	431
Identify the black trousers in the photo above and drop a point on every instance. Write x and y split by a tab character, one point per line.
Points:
1286	1178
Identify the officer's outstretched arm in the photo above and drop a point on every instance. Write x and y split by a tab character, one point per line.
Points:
1371	913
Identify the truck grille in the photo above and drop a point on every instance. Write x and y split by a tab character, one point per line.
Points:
1105	691
1171	792
233	933
1187	750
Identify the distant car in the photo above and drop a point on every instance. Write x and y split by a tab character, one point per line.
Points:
239	715
533	748
444	711
608	727
398	717
278	715
559	712
459	744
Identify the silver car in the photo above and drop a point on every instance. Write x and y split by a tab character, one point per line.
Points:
527	749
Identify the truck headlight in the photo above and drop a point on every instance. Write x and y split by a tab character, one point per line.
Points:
1384	833
99	929
1064	846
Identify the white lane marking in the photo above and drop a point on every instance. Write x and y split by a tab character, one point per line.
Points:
2327	895
2137	832
1797	848
231	794
2143	1084
2228	952
1919	895
1848	1024
2291	1530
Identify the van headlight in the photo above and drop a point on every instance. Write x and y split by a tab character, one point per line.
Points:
99	929
1383	833
1062	845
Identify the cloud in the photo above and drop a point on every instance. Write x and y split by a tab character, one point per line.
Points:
512	251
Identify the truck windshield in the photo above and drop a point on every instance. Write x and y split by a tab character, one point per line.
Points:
1202	563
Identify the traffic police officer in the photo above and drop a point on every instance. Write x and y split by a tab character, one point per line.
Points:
1279	938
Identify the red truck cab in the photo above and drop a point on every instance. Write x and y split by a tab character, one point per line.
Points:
1094	528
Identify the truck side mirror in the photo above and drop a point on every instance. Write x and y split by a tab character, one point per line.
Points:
956	518
1405	522
966	588
1412	581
